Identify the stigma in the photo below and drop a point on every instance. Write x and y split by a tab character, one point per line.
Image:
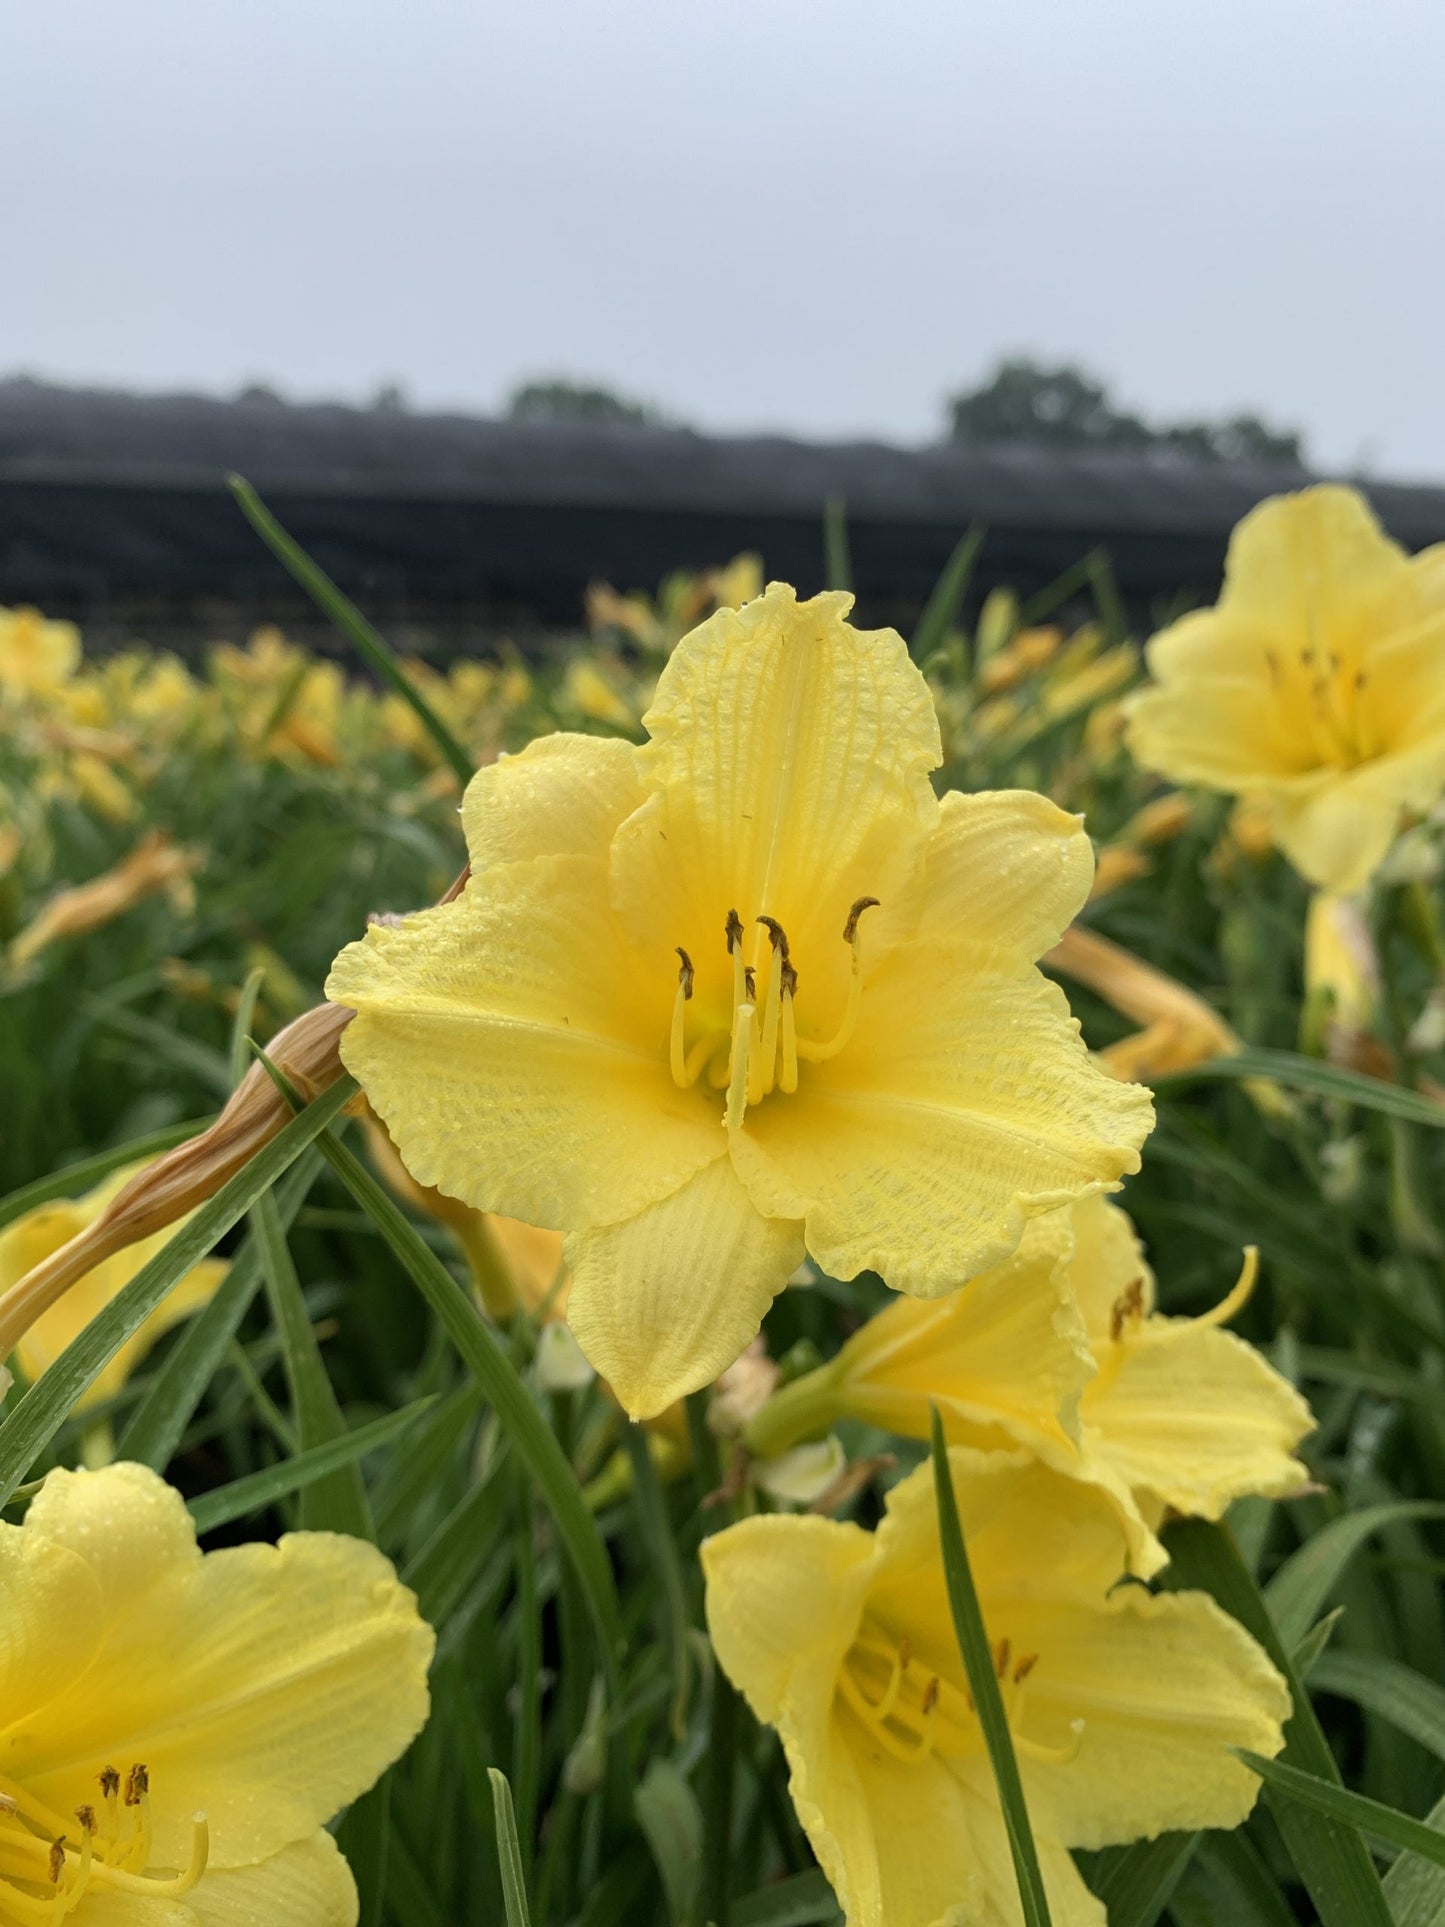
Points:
49	1862
761	1047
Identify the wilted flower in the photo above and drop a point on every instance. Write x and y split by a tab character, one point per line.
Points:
748	985
1124	1706
155	864
1317	681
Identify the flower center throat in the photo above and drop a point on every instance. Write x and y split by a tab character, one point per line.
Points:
763	1044
50	1863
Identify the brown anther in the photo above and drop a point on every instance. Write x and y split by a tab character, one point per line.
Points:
905	1654
968	1695
1360	679
1002	1654
1126	1309
686	974
733	930
776	933
1273	664
57	1861
109	1782
1334	662
1026	1664
930	1694
86	1817
789	980
751	982
137	1785
850	928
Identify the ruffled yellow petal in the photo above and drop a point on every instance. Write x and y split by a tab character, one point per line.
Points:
965	1104
1336	832
563	795
1165	1686
1006	870
1106	1265
783	1596
1006	1351
1194	1418
265	1685
666	1300
306	1885
516	1046
788	769
50	1615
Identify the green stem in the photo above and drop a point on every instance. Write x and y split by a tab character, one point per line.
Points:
805	1409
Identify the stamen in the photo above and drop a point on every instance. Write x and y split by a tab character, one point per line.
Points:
677	1044
733	932
1238	1296
819	1053
1052	1755
1025	1666
1002	1653
787	990
1126	1310
772	1006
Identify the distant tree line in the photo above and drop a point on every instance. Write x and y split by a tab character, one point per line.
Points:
1064	407
1023	402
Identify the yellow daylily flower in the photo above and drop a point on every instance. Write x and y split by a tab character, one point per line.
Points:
41	1232
1059	1350
1316	681
1183	1414
857	1053
36	656
176	1730
1123	1705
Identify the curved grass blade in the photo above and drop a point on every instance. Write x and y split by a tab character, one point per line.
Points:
338	1502
802	1901
497	1376
1134	1883
156	1427
837	567
1330	1857
1394	1692
1315	1077
39	1415
509	1852
349	619
944	605
1353	1809
1302	1585
983	1682
85	1173
1415	1888
259	1489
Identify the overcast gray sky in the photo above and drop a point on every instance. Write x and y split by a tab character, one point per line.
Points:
814	214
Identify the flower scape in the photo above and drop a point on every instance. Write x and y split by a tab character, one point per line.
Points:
609	1342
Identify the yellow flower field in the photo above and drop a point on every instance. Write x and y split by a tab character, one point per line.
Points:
749	1271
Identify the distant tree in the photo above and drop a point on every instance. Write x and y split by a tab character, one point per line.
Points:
559	400
1061	407
390	399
